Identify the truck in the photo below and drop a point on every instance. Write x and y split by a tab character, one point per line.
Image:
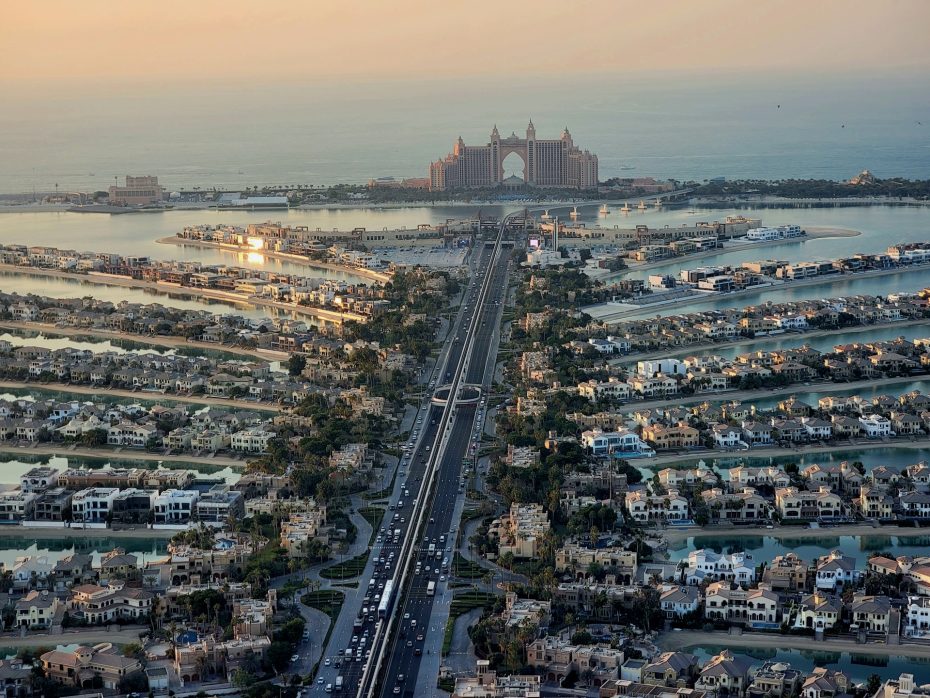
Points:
338	683
431	588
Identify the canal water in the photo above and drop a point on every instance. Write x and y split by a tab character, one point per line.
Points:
49	340
870	458
764	548
138	233
858	666
34	339
880	226
46	545
25	283
811	395
12	466
823	343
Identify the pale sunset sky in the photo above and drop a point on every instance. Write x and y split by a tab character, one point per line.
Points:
45	42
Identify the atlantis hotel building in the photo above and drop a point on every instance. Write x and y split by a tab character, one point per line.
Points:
546	163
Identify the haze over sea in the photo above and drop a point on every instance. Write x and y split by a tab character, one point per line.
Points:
667	126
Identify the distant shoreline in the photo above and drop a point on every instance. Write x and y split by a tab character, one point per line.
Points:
394	205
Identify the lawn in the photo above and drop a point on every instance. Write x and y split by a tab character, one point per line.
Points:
463	603
346	570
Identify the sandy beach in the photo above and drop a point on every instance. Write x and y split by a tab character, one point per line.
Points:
106	453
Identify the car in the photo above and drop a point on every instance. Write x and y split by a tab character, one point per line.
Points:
328	661
436	571
409	643
442	578
320	680
413	623
294	658
418	652
400	678
396	690
420	637
406	616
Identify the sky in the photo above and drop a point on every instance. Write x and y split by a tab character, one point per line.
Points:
63	42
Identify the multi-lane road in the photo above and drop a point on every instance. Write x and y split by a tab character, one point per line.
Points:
414	614
366	651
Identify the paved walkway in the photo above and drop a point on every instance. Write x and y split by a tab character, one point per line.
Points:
116	454
311	651
118	634
461	658
499	573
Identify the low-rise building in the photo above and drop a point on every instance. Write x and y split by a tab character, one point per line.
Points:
175	506
754	608
671	669
36	610
521	530
725	674
646	508
84	667
487	684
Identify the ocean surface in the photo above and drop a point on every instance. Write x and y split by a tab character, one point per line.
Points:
689	127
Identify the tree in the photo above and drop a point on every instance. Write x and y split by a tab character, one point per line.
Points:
242	678
296	364
279	655
873	684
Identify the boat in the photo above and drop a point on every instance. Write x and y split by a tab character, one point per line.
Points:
626	208
658	203
545	216
642	205
574	214
604	210
627	167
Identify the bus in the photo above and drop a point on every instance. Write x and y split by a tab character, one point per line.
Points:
431	588
387	599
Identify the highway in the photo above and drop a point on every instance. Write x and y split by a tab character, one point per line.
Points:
370	634
416	634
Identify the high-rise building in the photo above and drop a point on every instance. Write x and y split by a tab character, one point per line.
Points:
546	163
